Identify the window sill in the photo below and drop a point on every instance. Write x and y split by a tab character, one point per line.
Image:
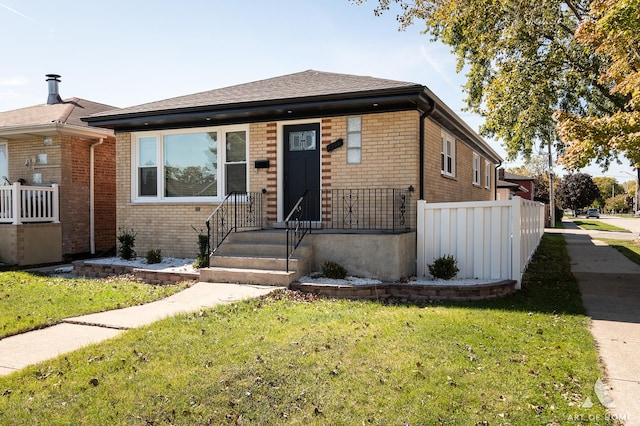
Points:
447	176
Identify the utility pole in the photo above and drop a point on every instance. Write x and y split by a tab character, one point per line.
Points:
552	196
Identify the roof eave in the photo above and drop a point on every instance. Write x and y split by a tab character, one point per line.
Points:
53	129
288	109
450	120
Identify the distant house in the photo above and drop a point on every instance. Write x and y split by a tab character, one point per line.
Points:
57	181
346	156
511	184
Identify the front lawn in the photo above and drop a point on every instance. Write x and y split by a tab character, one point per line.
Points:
30	301
596	225
295	359
629	248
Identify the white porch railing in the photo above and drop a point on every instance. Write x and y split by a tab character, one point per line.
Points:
488	239
25	204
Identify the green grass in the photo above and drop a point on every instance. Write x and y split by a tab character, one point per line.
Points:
629	248
596	225
30	301
294	359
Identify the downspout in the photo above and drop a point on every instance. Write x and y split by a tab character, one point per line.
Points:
92	225
423	116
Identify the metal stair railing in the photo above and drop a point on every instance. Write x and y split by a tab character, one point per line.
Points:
297	225
237	210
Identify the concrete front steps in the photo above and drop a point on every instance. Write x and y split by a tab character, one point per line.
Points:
258	257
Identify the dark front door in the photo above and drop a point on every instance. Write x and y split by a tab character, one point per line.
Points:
302	168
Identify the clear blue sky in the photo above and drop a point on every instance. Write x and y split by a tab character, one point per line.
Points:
125	53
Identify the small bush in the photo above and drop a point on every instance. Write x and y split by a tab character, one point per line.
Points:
444	267
127	240
333	270
202	260
154	256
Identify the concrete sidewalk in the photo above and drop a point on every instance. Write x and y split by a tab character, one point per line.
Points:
17	352
610	287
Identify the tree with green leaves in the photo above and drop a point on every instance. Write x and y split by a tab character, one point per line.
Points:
608	187
617	204
524	63
611	30
577	191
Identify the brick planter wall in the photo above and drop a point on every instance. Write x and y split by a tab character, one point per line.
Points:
410	291
149	276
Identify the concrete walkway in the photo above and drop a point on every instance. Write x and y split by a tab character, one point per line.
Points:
17	352
610	287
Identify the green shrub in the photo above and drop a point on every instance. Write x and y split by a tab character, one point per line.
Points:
444	267
154	256
127	240
202	260
333	270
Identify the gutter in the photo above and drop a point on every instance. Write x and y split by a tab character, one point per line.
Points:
92	226
423	116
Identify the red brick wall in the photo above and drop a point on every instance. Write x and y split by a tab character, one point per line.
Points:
105	195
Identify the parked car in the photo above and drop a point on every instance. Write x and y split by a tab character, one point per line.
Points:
593	213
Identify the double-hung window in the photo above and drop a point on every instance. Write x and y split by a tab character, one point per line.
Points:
487	174
476	169
448	155
189	165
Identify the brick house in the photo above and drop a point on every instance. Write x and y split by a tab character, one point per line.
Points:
511	185
57	182
337	159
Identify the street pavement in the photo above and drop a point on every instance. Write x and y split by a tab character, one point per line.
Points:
610	287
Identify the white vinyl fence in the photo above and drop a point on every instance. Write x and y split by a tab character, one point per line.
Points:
490	240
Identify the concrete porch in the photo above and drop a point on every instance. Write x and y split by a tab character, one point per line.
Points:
260	256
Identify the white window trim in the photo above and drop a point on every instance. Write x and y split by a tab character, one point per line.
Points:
220	167
487	174
447	137
476	169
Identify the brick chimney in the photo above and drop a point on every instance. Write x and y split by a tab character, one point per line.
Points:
54	94
500	173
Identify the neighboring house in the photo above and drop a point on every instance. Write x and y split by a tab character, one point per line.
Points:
57	182
511	184
357	151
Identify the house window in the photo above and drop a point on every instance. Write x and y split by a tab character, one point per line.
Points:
487	174
183	166
476	169
4	164
148	166
354	140
236	161
448	155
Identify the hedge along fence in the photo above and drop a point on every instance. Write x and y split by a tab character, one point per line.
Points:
490	240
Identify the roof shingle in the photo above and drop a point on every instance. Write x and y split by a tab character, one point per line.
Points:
67	112
306	84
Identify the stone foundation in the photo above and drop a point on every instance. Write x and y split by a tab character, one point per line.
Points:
371	291
410	291
149	276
